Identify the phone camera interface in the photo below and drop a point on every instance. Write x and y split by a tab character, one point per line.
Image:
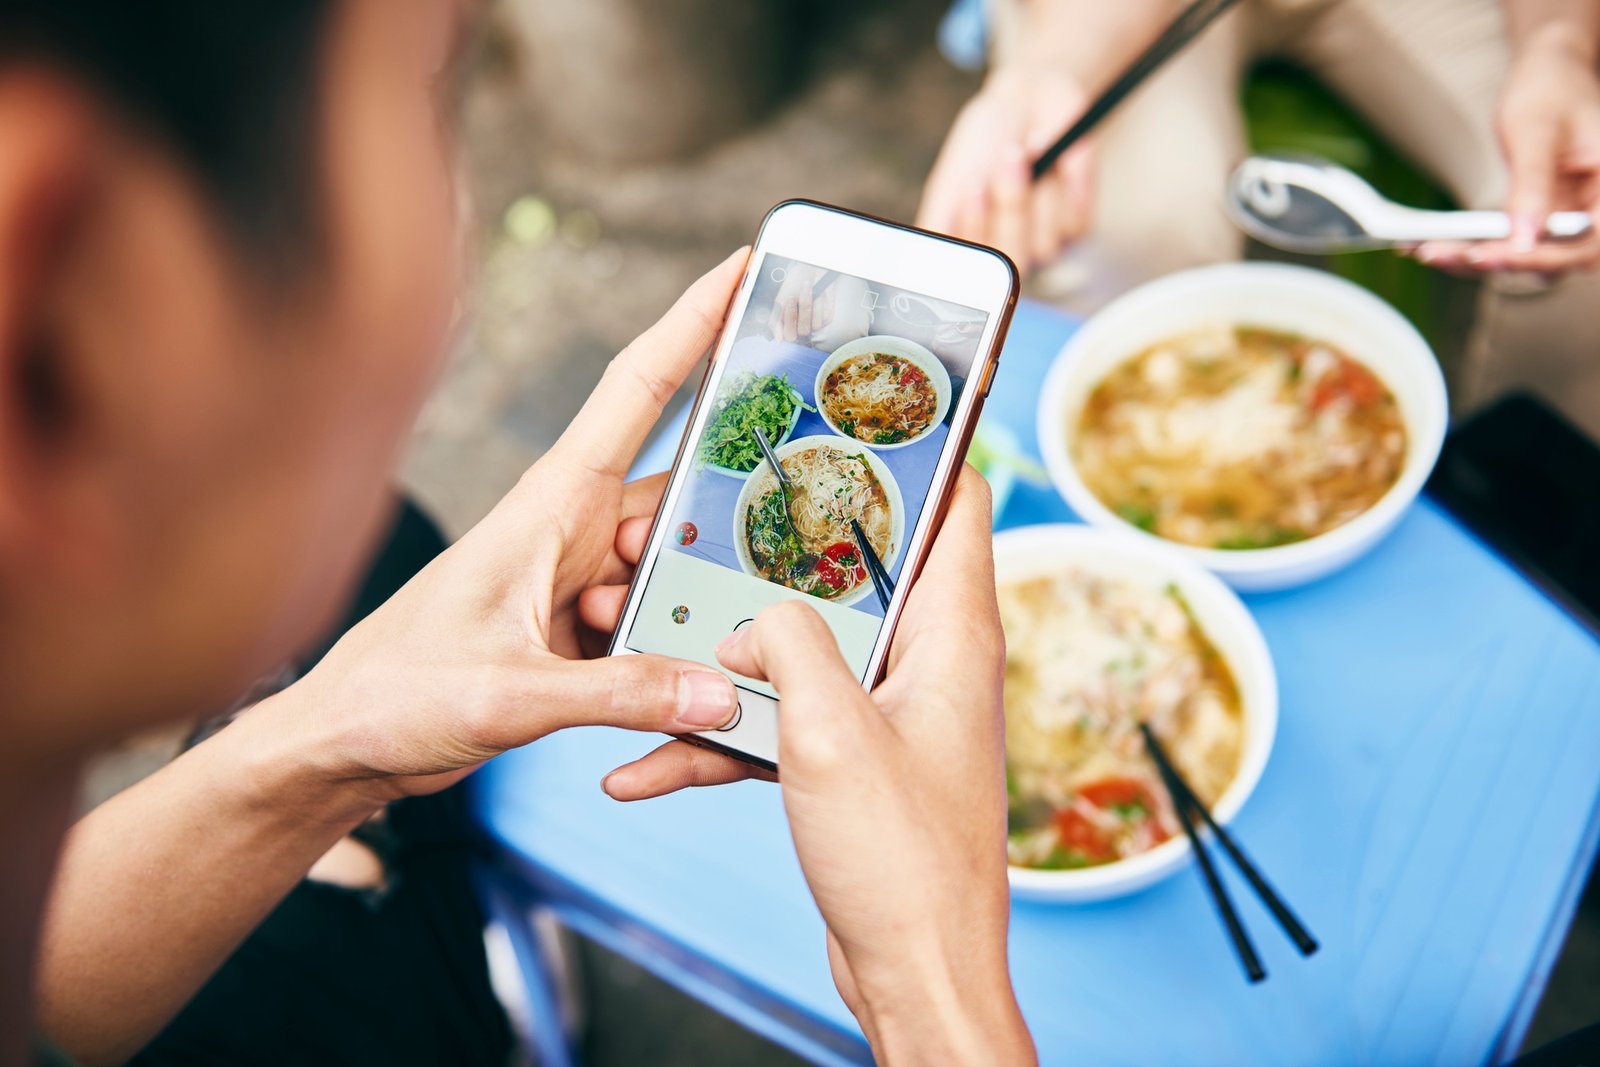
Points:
851	384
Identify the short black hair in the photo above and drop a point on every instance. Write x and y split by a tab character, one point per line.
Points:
231	86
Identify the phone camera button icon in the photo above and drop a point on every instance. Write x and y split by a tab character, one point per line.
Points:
738	713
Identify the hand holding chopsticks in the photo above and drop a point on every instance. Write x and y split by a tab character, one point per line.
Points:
1189	25
1187	805
992	183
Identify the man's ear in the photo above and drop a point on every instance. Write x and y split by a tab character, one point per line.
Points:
48	134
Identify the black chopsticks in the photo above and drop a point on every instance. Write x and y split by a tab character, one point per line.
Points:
1186	804
1189	25
880	577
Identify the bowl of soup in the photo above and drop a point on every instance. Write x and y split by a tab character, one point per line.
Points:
811	547
1272	422
1105	631
883	392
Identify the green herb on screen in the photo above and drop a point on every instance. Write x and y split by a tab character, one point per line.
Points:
766	401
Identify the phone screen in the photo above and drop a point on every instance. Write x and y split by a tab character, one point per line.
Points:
854	384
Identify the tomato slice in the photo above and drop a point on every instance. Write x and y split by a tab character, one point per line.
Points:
1112	792
843	562
912	376
1349	379
1078	834
1134	799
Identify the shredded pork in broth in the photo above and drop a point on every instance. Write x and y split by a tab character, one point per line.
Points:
1087	658
1240	438
830	486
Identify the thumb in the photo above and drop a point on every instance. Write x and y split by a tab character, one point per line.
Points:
820	698
637	692
1531	157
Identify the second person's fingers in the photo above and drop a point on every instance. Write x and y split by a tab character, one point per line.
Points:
1009	222
1531	150
1078	172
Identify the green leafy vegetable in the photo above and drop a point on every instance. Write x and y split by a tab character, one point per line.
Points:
1140	515
767	401
1270	538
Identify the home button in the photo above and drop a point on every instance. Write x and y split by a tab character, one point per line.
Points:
738	713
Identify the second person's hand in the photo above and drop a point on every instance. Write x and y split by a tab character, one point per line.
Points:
980	188
1549	127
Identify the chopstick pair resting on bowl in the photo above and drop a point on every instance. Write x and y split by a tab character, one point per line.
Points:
1187	805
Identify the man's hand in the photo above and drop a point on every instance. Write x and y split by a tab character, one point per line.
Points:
896	798
477	654
1549	125
980	187
483	650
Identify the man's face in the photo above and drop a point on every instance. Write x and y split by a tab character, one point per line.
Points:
231	470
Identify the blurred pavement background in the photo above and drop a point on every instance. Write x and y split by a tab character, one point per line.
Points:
578	256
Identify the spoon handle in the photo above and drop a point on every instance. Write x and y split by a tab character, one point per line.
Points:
1417	226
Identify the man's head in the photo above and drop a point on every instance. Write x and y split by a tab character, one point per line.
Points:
228	263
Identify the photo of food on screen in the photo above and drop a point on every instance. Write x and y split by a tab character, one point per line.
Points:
852	384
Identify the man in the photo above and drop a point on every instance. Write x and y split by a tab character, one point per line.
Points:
1502	106
226	281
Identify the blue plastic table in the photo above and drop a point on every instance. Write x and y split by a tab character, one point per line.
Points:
1430	808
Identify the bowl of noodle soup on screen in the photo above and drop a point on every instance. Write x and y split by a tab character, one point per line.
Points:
833	480
884	392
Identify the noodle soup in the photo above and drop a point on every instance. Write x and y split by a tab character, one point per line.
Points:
1088	657
830	484
1240	438
879	398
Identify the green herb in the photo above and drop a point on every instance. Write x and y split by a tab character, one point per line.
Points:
768	402
1140	515
990	453
1065	859
1134	809
1268	539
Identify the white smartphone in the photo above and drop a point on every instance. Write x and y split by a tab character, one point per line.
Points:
861	352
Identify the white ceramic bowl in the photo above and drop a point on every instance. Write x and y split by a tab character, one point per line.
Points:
897	509
925	361
1278	297
1030	551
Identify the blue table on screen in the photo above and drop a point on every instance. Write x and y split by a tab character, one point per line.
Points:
1430	808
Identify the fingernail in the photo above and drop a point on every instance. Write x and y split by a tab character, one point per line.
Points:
1477	257
1525	233
728	642
705	698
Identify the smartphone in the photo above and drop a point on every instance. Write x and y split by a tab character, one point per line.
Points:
861	352
1523	478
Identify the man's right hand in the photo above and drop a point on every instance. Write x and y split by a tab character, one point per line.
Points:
896	800
980	186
